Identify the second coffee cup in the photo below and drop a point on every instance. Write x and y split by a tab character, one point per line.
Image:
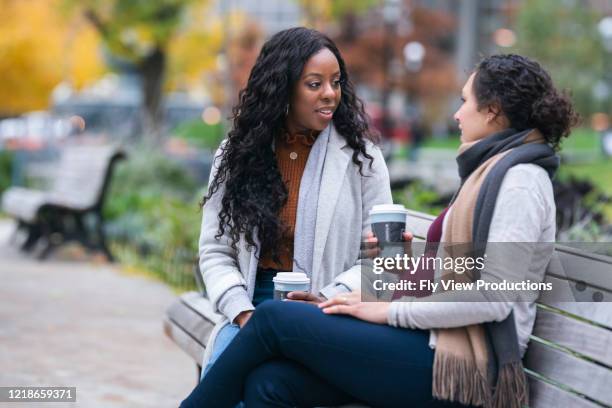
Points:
388	224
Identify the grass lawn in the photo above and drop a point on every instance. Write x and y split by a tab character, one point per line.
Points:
599	172
583	144
581	140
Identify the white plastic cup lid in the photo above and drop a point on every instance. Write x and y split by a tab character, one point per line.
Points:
388	208
291	277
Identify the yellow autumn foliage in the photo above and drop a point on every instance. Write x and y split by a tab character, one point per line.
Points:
194	48
39	48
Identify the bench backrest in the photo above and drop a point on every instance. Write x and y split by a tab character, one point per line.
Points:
83	175
569	358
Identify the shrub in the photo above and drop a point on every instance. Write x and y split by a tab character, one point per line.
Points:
153	216
6	168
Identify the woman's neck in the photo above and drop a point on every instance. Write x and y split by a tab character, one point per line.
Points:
295	129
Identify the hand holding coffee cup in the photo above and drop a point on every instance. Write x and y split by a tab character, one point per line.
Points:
388	223
304	297
372	250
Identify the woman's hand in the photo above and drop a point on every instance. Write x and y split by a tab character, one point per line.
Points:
372	250
351	304
304	297
243	318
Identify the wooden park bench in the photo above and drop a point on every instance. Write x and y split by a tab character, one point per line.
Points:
68	209
569	357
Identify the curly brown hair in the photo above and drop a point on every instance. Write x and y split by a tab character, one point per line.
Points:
524	92
253	191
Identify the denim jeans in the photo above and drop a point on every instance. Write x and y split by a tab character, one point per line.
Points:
264	290
224	338
292	354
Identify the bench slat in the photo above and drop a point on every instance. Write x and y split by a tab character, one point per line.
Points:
81	174
581	267
190	321
23	203
580	375
581	337
598	312
545	395
200	305
194	349
418	223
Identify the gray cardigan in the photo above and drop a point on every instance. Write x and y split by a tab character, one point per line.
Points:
345	199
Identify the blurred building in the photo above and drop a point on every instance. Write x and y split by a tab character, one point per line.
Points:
112	105
483	27
272	15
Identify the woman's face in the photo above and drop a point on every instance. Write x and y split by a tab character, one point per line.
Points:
475	124
316	94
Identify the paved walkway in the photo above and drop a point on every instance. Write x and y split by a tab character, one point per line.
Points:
67	323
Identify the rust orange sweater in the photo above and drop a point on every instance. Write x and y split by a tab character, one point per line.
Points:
291	155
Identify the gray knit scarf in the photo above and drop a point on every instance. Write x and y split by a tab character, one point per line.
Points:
308	199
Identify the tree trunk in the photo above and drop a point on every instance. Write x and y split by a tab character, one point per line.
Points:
152	70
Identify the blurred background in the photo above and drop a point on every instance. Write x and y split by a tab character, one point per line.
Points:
160	77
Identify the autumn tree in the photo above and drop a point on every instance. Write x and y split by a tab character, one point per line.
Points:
373	48
141	33
39	48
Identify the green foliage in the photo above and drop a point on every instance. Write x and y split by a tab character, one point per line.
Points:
581	140
450	143
146	178
418	197
341	7
154	217
563	36
317	11
200	134
6	167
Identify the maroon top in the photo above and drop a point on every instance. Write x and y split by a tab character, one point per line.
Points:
434	235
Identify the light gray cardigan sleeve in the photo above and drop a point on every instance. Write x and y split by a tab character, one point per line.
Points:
375	189
224	283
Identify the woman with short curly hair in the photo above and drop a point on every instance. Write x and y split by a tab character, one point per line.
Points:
448	349
291	186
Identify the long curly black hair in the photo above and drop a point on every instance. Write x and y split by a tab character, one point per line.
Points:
524	92
248	176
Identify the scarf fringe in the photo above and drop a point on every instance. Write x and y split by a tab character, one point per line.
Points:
512	390
458	379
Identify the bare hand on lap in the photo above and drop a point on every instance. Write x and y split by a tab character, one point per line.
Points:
351	304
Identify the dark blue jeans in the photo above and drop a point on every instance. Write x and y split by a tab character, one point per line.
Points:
292	354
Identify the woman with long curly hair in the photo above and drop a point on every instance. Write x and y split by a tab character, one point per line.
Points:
292	184
429	353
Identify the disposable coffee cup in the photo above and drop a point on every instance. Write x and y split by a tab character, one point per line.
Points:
285	282
388	224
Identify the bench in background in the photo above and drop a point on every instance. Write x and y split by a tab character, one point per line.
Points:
66	211
569	358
